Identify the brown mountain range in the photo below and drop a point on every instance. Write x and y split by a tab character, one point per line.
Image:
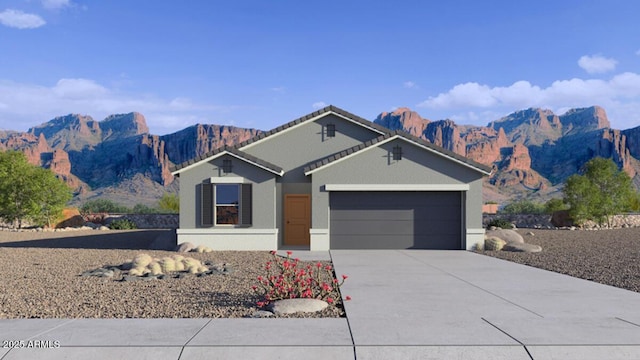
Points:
532	151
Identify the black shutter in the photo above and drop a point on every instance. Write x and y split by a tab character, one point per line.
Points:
246	208
206	203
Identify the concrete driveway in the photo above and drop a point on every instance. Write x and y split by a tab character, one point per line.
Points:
456	304
406	304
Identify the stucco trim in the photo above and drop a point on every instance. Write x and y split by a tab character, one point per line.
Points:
228	180
320	240
396	187
231	238
474	239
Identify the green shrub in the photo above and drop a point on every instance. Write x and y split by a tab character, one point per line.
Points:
523	207
123	224
144	209
554	205
169	203
501	223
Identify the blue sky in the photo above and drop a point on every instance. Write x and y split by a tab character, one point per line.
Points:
263	63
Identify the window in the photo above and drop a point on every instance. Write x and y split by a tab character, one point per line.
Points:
331	130
397	153
225	204
226	166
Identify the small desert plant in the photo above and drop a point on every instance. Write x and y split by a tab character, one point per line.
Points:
123	224
287	279
501	223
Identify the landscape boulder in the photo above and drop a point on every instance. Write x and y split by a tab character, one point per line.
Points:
291	306
509	236
185	247
522	247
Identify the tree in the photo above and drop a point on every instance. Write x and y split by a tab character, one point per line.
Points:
523	207
28	192
554	205
601	192
169	203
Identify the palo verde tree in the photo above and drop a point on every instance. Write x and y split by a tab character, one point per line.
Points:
602	191
29	192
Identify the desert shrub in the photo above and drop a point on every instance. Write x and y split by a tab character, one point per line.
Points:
169	203
123	224
499	222
523	207
103	206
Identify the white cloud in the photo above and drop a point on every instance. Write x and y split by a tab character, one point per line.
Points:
409	85
20	20
597	64
318	105
26	105
278	89
619	96
56	4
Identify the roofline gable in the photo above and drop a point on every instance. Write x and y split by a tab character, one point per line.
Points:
319	114
238	154
348	153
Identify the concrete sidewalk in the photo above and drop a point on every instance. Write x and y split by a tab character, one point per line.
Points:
407	304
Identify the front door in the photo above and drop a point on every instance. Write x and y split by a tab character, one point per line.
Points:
297	219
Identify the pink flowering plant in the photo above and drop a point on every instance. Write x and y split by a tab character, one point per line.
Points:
288	278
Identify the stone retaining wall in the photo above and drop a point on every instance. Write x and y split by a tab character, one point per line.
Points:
148	221
544	221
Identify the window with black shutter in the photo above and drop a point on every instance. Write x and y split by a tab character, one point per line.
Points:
226	204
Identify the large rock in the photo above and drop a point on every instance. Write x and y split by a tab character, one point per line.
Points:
522	247
291	306
508	236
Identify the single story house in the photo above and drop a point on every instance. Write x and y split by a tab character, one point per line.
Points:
331	180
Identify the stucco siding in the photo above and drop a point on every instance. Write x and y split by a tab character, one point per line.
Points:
295	148
263	192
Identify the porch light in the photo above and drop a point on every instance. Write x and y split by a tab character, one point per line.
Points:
226	166
397	153
331	130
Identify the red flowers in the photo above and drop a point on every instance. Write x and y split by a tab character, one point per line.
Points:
347	298
286	278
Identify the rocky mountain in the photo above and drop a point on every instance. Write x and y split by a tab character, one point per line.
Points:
116	158
532	151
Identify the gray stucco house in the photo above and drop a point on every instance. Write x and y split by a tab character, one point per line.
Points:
331	180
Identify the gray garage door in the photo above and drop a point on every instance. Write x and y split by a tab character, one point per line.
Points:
396	220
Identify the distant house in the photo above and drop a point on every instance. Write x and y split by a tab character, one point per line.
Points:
490	208
331	180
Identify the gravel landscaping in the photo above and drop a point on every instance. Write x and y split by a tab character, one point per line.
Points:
40	275
610	257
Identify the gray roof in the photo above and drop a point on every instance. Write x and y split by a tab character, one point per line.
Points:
386	135
230	149
329	159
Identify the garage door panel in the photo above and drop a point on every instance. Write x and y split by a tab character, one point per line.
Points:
371	227
396	220
361	214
